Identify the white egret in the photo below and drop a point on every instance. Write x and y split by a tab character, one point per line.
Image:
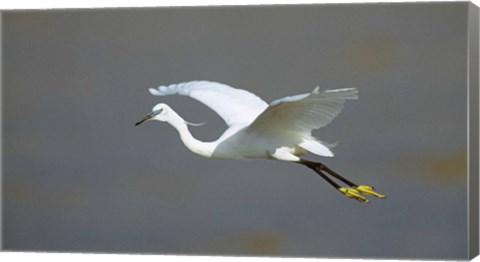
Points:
279	131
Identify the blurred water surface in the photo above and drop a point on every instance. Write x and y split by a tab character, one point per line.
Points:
78	176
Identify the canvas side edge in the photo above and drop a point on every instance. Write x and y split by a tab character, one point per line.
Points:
1	132
473	129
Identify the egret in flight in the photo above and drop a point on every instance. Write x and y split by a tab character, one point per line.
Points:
279	131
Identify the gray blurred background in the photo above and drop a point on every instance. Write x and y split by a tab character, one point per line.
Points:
78	176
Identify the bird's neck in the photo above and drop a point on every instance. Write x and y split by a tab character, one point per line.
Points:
196	146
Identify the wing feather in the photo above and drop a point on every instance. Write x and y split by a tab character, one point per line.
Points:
235	106
301	114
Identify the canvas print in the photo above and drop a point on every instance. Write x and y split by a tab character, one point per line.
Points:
332	131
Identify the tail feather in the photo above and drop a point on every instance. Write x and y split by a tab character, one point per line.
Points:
316	147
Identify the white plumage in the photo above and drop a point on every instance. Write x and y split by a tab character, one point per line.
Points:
235	106
281	130
259	129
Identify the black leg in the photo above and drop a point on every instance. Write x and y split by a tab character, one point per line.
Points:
324	176
318	167
353	192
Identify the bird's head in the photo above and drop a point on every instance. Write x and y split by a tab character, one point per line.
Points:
160	112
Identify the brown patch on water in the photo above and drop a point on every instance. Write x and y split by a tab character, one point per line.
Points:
371	53
258	243
24	192
445	167
261	243
20	191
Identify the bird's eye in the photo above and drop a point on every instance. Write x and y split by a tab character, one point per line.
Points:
158	111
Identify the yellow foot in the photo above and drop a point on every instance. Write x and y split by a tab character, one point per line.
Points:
353	193
368	191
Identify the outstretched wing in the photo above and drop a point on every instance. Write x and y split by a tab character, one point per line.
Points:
301	114
235	106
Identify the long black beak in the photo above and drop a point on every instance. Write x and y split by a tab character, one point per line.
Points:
147	117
